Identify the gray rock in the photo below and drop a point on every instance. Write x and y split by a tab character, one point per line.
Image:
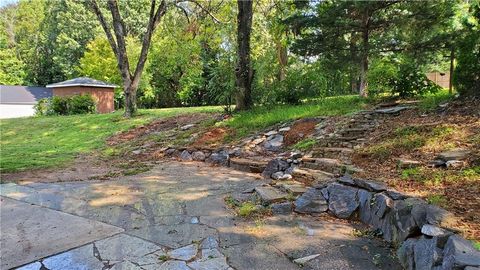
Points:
273	166
284	129
392	110
275	143
184	253
403	221
270	133
407	163
305	259
440	217
186	155
426	253
324	192
342	200
209	242
436	163
382	204
346	180
454	154
455	164
296	155
219	158
284	208
472	268
174	265
312	201
210	264
170	151
370	185
405	254
277	175
395	194
285	176
136	152
198	156
365	211
459	253
187	127
270	194
432	230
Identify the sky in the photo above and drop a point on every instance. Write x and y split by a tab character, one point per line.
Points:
6	2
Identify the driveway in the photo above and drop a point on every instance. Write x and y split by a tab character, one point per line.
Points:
172	217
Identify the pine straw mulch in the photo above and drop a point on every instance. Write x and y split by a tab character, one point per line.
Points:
457	125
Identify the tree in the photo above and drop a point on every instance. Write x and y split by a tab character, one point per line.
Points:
244	71
131	80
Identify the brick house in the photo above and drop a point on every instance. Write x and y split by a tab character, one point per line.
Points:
102	92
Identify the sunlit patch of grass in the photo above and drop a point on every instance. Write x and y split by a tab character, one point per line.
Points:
437	199
407	139
53	141
476	244
431	101
259	118
305	145
247	209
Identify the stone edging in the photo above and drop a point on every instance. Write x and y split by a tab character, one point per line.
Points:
424	233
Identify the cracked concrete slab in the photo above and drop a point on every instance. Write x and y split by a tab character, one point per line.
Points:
30	232
173	206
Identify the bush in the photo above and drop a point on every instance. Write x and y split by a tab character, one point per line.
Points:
81	104
77	104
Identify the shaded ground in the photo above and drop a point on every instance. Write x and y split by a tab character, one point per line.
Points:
418	136
175	205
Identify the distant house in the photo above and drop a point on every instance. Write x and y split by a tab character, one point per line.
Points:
442	79
18	101
102	92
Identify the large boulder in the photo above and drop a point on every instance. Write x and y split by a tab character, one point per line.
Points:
405	254
459	253
404	221
219	158
365	209
312	201
426	253
273	166
342	200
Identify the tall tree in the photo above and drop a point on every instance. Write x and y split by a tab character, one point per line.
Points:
244	71
117	41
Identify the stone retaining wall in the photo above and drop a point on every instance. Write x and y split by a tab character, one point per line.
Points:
424	233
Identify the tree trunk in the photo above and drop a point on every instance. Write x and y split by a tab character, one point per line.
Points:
282	60
244	71
364	56
452	60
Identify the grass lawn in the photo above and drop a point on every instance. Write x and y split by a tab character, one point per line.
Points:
42	142
262	117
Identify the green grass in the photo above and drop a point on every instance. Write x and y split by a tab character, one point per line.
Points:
42	142
247	209
305	144
431	101
259	118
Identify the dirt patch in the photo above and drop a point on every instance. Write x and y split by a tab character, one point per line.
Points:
213	137
157	126
420	137
299	131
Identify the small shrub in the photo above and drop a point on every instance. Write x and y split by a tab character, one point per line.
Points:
77	104
81	104
59	105
247	209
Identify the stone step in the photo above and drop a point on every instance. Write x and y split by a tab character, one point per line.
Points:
248	165
270	194
310	177
342	153
293	187
353	131
325	164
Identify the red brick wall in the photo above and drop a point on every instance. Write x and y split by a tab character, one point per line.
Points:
103	96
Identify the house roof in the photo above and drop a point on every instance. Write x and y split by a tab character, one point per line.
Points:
12	94
82	81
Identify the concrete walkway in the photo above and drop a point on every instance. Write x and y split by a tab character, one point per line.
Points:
172	217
